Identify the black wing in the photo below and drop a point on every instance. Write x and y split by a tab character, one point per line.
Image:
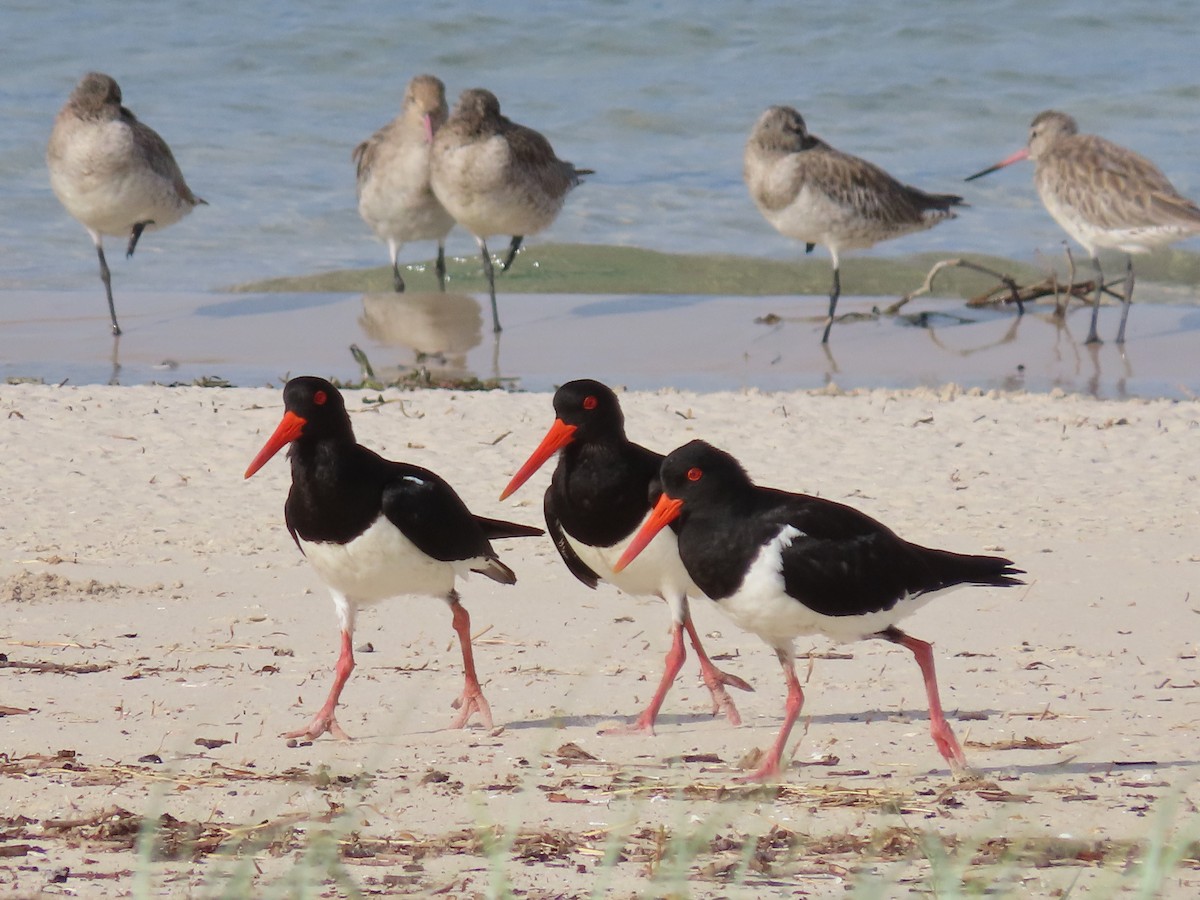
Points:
578	567
431	515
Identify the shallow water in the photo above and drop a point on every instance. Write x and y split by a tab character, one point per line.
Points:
262	106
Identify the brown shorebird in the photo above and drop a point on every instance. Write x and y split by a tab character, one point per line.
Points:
394	196
497	177
113	173
1104	196
811	192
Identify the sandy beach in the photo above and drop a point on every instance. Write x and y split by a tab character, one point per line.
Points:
161	630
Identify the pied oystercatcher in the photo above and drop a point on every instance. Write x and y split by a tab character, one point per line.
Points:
782	565
373	528
598	498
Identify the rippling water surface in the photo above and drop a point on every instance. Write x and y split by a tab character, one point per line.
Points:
262	104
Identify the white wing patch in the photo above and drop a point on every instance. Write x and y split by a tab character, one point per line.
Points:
762	606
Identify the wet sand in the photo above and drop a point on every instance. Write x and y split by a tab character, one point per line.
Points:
642	341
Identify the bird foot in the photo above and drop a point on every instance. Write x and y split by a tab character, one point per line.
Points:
715	680
643	725
472	701
321	723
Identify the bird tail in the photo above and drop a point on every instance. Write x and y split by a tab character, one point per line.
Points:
495	570
965	568
498	528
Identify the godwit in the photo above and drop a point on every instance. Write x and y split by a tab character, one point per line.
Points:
809	191
394	196
497	177
114	174
1104	196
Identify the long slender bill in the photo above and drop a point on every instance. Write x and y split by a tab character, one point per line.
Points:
1008	161
665	511
287	431
559	435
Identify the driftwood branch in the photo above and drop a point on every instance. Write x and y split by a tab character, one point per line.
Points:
1009	291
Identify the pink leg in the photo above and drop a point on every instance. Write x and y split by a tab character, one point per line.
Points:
472	699
938	726
795	702
675	657
324	721
715	679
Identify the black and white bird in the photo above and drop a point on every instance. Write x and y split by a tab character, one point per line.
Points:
373	529
783	565
597	499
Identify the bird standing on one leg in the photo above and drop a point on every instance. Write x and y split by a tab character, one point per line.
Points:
373	528
114	174
809	191
497	177
1104	196
392	165
783	565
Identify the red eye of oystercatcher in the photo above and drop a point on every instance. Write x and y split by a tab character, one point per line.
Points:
694	473
589	402
319	398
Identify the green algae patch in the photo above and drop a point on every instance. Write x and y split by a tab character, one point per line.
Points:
604	269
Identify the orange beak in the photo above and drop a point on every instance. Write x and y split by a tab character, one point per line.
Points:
1008	161
665	511
287	431
559	435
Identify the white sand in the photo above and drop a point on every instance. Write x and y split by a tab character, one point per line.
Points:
132	542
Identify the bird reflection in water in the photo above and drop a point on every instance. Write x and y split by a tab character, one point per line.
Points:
440	329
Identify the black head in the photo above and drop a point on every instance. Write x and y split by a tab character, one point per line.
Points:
591	407
698	472
313	409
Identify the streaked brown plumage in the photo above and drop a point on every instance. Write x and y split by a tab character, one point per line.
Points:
811	192
114	174
1103	195
394	196
497	177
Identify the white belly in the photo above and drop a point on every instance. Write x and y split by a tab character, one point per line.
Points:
379	563
656	571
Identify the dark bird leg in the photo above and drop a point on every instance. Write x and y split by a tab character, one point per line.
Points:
1128	299
943	737
512	251
440	266
397	278
134	236
1092	338
833	299
106	277
490	272
472	699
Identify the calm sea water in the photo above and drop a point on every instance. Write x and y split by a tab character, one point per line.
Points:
262	104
